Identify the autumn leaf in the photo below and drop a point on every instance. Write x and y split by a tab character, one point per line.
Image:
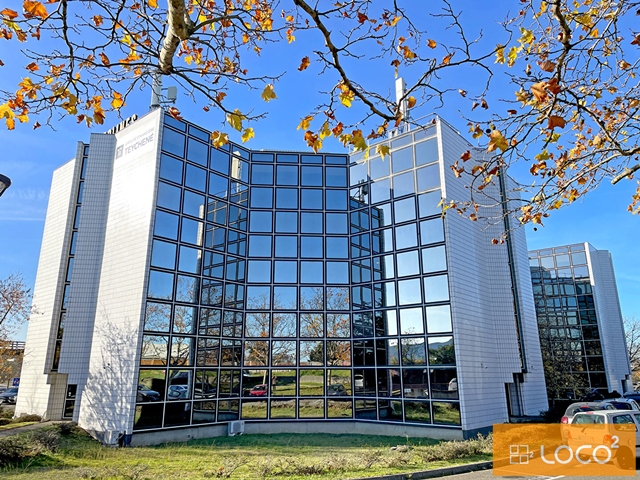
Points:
462	93
7	114
35	9
268	94
32	67
556	121
547	66
346	96
117	101
362	18
431	43
153	3
219	139
446	60
636	40
97	20
105	60
235	119
1	63
411	102
496	140
465	156
305	122
8	13
220	96
304	64
539	92
624	65
175	113
382	150
358	141
247	135
313	141
325	131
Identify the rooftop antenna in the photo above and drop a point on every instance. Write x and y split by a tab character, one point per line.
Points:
157	99
401	90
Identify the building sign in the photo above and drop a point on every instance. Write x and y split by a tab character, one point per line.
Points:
138	144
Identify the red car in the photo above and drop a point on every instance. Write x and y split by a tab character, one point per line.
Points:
259	391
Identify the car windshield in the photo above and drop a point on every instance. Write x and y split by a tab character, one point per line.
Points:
143	387
12	390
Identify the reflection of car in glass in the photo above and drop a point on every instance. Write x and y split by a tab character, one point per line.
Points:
204	390
177	392
145	394
9	395
358	381
453	385
337	390
258	391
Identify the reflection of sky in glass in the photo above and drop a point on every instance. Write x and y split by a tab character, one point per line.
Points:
411	321
438	319
409	292
408	263
436	289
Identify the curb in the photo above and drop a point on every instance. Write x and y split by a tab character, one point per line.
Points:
435	473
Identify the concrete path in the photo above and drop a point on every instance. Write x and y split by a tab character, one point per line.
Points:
14	431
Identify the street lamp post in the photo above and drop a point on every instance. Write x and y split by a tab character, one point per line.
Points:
5	182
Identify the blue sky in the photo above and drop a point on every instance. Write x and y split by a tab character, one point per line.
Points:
29	157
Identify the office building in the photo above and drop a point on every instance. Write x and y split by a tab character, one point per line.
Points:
186	288
579	320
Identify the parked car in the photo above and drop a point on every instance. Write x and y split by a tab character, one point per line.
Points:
358	381
623	404
580	407
632	395
145	394
453	385
612	421
9	395
336	389
259	390
177	392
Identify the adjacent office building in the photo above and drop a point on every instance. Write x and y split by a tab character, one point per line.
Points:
183	289
579	320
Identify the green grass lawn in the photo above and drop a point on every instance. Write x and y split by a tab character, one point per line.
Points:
282	456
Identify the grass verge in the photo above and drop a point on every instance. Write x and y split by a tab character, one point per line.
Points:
71	454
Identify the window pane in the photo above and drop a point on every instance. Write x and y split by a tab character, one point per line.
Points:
438	319
408	263
173	142
219	161
166	225
197	152
403	184
218	185
311	222
427	152
287	175
441	351
409	292
262	174
431	231
191	231
311	199
379	167
406	236
171	168
260	222
311	272
428	177
413	351
196	178
405	210
402	159
168	196
311	176
336	199
259	271
284	298
411	322
337	247
336	223
193	204
336	177
160	285
286	271
287	198
436	289
259	246
429	203
157	317
380	190
286	246
311	247
287	222
338	272
262	197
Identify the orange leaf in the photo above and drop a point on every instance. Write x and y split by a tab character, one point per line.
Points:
556	121
305	63
175	113
465	156
547	66
497	141
105	60
539	91
553	86
447	59
117	101
153	3
463	93
431	43
35	9
97	19
362	17
8	13
512	112
36	125
32	67
411	102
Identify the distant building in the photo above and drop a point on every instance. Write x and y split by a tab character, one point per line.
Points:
184	287
579	320
11	353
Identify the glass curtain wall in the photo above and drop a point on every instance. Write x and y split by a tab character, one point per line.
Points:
279	289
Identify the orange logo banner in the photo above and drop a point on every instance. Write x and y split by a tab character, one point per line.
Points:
569	450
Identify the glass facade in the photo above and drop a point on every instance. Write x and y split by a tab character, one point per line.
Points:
287	286
567	323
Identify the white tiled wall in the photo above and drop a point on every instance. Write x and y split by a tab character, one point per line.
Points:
108	403
482	304
605	293
36	391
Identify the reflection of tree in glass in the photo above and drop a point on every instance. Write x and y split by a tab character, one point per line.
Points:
157	317
413	351
442	353
154	350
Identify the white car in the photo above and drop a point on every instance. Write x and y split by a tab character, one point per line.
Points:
611	421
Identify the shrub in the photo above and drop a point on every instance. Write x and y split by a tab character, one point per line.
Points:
5	421
6	413
16	448
28	418
452	450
